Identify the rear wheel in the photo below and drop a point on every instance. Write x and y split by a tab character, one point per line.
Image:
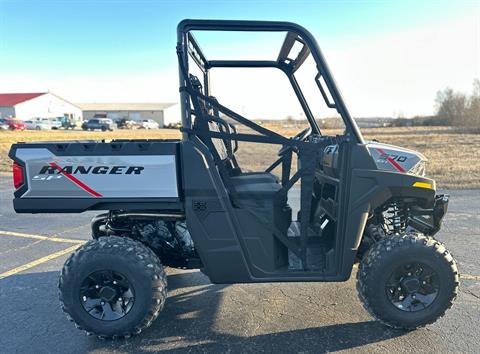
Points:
112	287
407	281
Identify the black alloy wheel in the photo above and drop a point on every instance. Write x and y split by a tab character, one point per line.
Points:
107	295
413	287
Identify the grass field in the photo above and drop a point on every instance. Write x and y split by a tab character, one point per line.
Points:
453	154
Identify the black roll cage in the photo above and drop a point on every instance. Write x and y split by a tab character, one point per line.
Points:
187	46
203	104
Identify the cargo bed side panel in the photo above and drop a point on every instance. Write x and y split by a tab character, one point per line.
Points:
97	176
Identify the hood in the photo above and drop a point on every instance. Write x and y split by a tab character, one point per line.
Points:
396	159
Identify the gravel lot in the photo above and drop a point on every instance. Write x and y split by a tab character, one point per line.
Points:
201	317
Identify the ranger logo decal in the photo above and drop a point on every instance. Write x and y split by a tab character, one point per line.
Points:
96	170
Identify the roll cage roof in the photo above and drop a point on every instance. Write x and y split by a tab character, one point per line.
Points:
188	47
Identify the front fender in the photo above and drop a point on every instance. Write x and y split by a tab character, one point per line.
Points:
369	189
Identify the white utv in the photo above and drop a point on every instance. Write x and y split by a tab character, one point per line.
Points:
188	204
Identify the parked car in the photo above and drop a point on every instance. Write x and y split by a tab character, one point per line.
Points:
55	123
3	125
149	124
103	124
37	124
13	124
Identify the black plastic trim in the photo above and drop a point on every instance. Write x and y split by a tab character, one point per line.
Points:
94	148
77	205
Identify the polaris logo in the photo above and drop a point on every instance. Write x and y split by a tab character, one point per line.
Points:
96	170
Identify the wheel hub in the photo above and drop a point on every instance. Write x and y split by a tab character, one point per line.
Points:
106	295
412	287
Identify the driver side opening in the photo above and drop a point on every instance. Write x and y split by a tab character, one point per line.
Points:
275	240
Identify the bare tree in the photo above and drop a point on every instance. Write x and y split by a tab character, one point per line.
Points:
451	107
473	108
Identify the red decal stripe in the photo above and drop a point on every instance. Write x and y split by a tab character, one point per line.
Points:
76	181
392	161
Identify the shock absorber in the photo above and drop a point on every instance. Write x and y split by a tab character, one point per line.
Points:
396	217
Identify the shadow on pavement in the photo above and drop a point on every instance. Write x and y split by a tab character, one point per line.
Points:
33	322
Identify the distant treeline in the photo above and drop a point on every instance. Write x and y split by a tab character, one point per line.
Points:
452	108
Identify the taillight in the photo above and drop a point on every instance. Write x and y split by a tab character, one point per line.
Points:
18	176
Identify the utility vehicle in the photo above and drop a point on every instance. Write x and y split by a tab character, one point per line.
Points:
189	204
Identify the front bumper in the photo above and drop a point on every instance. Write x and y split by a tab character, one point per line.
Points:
429	221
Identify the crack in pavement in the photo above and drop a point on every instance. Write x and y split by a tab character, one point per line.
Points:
470	293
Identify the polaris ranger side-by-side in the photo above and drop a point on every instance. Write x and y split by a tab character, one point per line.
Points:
188	204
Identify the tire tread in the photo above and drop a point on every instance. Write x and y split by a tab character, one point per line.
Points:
123	247
380	250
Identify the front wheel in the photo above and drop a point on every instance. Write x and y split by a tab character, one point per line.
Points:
407	281
112	287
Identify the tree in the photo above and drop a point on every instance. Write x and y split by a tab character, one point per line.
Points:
458	109
473	109
451	106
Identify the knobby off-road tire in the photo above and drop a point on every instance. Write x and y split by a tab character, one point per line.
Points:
385	257
140	268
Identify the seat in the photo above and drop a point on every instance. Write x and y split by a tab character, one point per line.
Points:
254	177
257	187
227	158
226	153
259	195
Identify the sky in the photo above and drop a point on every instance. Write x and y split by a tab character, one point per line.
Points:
389	58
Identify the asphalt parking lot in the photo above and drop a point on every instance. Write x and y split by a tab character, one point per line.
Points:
201	317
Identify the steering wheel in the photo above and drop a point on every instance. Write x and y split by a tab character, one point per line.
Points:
299	137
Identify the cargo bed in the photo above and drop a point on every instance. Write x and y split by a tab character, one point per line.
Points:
74	176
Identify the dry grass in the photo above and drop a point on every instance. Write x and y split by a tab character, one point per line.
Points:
7	138
453	154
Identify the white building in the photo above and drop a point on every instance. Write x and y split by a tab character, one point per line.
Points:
162	113
26	106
